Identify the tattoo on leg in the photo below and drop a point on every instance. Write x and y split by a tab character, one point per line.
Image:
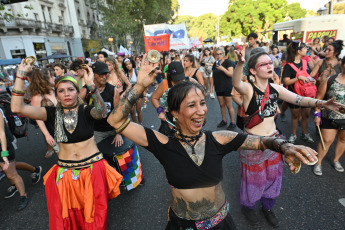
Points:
299	99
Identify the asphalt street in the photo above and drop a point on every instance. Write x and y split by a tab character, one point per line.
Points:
306	201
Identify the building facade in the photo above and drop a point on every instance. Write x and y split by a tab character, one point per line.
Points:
47	27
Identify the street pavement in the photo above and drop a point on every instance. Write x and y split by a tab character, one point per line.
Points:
306	201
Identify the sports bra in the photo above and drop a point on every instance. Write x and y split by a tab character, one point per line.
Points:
271	105
180	169
84	129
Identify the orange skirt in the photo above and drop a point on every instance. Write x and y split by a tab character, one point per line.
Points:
78	199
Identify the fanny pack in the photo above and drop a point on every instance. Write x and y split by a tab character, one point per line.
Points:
257	117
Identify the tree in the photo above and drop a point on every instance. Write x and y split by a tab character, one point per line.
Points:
339	8
127	17
246	16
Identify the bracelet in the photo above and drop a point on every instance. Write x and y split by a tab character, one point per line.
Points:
123	126
317	114
278	143
18	91
131	98
4	153
160	109
18	94
319	103
23	78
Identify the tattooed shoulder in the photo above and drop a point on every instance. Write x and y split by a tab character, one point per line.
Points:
224	137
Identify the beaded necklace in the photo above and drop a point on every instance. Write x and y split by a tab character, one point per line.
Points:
188	140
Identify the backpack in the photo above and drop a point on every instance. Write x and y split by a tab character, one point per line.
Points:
17	124
276	62
301	88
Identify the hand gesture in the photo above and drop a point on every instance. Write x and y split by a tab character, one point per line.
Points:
302	153
317	121
118	141
240	56
147	73
50	140
334	106
23	68
88	76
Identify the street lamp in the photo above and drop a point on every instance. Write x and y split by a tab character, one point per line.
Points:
322	10
111	43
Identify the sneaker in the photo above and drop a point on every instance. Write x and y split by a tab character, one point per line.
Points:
2	175
251	216
317	170
307	138
212	95
271	217
338	166
231	126
11	191
293	138
36	176
221	124
23	202
283	117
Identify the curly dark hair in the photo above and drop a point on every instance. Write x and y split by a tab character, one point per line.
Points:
124	64
39	81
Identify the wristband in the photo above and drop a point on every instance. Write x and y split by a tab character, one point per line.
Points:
160	110
18	91
318	114
4	153
22	78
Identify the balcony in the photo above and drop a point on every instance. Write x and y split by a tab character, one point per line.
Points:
57	28
68	29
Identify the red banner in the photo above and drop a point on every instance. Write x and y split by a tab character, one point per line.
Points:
313	34
159	43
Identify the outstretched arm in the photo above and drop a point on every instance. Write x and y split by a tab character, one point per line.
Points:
296	99
303	153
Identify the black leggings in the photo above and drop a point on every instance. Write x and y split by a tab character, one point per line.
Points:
177	223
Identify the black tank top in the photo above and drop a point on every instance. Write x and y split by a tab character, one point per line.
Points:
108	98
194	75
270	108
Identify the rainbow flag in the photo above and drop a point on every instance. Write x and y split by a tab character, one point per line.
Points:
130	166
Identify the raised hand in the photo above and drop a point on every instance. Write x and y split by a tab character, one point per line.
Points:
88	76
240	56
147	73
23	68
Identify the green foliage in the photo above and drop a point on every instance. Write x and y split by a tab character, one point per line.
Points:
246	16
127	17
203	26
339	8
294	11
7	14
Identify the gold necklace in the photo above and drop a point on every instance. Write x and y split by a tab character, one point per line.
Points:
260	87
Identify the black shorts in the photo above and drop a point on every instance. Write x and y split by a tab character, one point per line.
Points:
11	152
293	106
332	124
223	94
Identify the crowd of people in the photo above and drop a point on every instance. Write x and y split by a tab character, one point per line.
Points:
78	106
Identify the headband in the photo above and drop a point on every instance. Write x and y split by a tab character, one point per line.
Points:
127	59
66	78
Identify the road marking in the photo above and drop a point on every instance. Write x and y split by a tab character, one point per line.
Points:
342	201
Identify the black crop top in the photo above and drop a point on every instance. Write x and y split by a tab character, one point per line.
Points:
84	129
271	105
180	169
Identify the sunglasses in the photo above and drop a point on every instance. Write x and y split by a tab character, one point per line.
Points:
264	64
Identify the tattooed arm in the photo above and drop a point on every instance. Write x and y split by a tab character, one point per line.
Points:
276	144
295	99
119	115
99	110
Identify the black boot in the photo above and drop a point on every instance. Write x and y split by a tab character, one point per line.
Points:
250	214
271	217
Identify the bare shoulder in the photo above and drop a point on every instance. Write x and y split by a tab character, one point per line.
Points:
224	136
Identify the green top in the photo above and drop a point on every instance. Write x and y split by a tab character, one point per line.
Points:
165	69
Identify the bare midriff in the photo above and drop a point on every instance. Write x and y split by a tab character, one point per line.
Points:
77	151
